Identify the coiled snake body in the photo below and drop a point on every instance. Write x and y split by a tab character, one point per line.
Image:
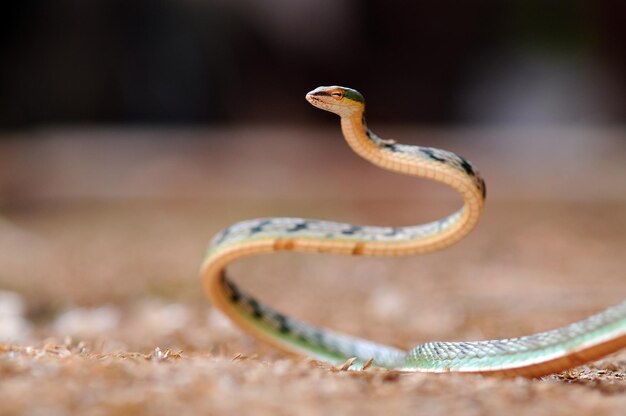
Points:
530	356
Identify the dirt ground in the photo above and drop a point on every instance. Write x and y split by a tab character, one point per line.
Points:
103	230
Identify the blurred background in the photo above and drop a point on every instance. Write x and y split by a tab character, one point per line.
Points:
131	132
243	61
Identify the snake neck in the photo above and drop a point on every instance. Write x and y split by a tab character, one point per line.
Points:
361	139
426	162
436	164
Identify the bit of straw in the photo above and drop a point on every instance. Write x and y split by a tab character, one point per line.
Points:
345	366
368	364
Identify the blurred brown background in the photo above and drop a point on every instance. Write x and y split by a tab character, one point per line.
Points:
483	61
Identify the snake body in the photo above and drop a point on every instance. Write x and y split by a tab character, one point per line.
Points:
530	356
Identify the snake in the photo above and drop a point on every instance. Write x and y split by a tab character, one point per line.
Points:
528	356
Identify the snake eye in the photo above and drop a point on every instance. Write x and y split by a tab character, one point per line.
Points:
337	94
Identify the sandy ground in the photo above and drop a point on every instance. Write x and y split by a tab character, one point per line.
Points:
103	232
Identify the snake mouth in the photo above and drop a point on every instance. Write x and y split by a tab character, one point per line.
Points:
318	98
317	101
313	97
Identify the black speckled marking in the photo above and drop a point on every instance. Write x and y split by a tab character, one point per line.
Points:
483	186
235	294
298	227
391	147
281	321
429	152
467	167
223	235
351	230
259	227
256	308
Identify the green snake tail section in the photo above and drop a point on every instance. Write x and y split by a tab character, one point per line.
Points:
478	356
316	342
519	352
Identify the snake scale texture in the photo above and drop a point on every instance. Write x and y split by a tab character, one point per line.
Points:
529	356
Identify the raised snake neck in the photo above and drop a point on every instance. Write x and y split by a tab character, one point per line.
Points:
530	356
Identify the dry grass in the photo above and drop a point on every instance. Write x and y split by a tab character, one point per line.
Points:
103	311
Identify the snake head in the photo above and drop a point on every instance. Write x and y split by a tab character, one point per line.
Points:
342	101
